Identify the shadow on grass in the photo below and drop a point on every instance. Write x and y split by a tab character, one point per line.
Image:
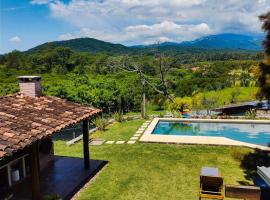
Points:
251	160
249	164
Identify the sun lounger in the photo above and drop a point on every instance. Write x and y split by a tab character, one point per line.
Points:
264	173
211	184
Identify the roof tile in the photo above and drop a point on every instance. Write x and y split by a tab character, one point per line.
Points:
24	119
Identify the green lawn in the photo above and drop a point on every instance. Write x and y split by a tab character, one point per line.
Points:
119	131
224	96
152	171
246	94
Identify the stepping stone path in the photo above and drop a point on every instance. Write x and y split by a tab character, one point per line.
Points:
139	132
109	142
120	142
135	137
96	142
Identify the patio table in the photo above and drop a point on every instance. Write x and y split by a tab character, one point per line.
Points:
210	171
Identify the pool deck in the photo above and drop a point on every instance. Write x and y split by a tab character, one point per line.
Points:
202	140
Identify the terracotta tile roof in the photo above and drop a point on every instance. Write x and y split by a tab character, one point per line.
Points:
24	119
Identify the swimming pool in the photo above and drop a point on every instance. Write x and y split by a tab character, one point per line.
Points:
253	133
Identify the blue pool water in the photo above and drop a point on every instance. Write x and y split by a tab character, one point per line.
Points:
251	133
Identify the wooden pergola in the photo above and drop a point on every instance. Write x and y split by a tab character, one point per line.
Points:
26	121
35	168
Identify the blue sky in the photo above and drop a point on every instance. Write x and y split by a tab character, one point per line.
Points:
27	23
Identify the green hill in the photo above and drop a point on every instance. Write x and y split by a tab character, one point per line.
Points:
85	45
218	44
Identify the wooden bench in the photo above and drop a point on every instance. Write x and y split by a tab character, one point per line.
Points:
243	192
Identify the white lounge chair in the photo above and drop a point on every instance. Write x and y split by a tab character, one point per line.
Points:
264	173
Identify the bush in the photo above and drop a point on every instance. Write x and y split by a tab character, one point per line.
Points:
209	103
196	102
180	104
160	115
118	116
159	101
234	95
251	114
214	116
177	114
101	123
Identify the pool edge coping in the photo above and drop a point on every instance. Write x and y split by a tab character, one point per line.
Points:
148	137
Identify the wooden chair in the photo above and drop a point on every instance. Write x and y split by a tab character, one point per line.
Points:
211	187
243	192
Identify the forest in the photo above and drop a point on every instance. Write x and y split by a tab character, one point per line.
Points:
109	81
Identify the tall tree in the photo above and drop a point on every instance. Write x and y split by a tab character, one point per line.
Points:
264	66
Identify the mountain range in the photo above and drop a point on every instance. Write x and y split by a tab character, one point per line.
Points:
228	41
224	41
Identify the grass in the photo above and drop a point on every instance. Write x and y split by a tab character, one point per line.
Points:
149	112
119	131
224	96
152	171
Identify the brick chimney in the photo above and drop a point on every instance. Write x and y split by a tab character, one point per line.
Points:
30	85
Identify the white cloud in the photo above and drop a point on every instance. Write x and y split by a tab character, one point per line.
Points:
163	32
13	8
15	39
169	30
40	2
143	21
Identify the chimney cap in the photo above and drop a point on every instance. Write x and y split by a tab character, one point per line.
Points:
29	78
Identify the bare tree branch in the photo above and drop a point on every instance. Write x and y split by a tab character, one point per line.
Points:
128	65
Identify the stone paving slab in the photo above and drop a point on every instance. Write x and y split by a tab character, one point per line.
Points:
141	129
134	138
96	142
139	132
109	142
131	142
148	121
120	142
137	135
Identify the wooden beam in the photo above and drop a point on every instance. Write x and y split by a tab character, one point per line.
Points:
23	167
86	143
243	192
35	171
9	175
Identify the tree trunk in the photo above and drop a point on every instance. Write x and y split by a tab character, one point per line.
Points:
143	113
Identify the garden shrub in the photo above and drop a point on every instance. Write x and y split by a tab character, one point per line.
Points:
118	116
101	123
